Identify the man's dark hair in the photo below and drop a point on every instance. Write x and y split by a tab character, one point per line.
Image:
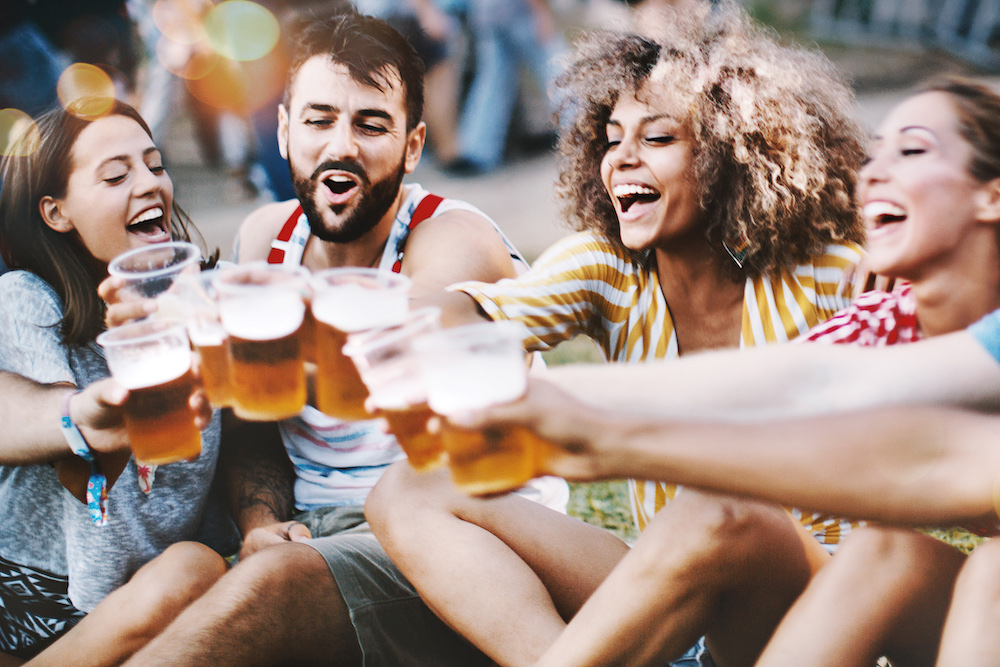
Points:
370	48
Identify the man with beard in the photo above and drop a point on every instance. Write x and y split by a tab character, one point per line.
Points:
350	129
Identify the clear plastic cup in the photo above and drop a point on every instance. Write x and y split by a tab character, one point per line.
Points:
152	359
150	271
347	301
391	371
198	304
472	367
262	309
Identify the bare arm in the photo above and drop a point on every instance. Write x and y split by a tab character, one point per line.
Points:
905	465
31	413
259	480
800	379
451	248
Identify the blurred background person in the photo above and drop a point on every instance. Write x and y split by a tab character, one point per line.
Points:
507	36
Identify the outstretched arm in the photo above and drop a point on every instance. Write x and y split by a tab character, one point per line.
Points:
914	465
789	380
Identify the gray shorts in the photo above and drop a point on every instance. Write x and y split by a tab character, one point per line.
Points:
393	625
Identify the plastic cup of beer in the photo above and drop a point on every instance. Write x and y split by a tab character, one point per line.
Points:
261	308
198	300
473	367
347	301
391	371
149	271
152	359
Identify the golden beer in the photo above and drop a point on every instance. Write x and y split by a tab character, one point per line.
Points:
268	379
264	323
489	461
340	391
424	450
472	367
213	352
346	301
159	421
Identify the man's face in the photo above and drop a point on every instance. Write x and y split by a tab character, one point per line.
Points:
347	148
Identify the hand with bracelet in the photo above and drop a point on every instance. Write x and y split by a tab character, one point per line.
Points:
96	413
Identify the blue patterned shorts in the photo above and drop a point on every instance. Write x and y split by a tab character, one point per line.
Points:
34	609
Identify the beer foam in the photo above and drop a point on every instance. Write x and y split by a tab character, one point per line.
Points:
153	371
206	336
355	308
270	315
474	381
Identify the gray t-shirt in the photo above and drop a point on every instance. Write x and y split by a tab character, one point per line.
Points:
43	526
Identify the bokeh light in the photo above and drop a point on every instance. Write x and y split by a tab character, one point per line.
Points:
14	124
82	80
184	61
242	30
181	22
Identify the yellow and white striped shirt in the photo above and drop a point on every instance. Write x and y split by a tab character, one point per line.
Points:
586	285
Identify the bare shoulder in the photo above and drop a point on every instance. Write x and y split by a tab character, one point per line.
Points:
457	228
261	227
456	246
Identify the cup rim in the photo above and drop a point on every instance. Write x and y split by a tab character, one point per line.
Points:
434	340
319	282
387	335
227	289
120	335
114	270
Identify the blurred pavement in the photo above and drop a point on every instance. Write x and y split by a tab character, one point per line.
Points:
519	196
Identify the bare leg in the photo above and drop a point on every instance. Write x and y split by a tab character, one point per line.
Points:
885	593
281	604
707	564
135	613
9	660
505	572
970	632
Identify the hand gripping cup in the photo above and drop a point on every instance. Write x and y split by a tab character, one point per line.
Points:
261	308
198	300
150	270
152	359
391	371
472	367
347	301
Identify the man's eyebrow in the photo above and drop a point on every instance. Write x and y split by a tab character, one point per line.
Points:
316	106
376	113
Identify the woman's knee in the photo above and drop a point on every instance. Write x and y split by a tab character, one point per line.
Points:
181	574
896	553
981	573
403	495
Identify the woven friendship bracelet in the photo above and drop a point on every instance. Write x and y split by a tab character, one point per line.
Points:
97	485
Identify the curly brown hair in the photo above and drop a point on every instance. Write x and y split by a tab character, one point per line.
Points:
776	140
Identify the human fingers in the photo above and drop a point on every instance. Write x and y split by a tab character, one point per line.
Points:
298	532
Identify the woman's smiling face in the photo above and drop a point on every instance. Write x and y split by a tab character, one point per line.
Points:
118	195
646	170
917	195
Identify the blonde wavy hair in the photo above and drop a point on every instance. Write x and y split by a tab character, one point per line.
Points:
776	140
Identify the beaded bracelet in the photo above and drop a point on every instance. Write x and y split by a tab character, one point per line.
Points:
97	485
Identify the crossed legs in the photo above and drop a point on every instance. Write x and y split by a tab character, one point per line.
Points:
514	572
135	613
885	593
280	605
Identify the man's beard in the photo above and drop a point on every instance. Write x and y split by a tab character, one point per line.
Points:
373	201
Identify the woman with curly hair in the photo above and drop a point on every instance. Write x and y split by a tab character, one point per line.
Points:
711	173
